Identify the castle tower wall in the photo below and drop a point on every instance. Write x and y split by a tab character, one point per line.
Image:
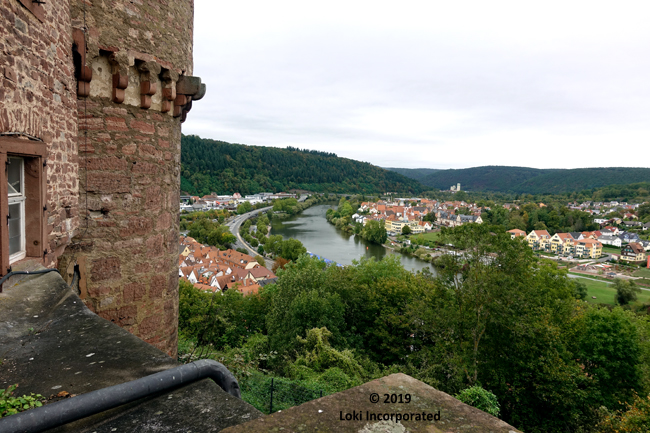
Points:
130	113
38	106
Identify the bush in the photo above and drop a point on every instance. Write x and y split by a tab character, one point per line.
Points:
260	259
636	419
12	405
481	399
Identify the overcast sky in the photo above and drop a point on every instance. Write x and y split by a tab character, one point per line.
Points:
453	84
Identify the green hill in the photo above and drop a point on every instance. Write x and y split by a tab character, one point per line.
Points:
210	165
413	173
532	180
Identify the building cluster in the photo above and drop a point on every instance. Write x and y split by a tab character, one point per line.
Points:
586	244
603	208
411	212
211	270
229	202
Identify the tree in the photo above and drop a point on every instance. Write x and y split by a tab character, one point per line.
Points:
279	263
292	249
260	260
431	217
635	419
406	230
244	207
375	232
608	348
273	244
579	290
626	291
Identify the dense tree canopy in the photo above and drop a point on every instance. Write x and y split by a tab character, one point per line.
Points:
225	168
493	315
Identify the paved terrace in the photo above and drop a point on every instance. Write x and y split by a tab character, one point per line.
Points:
50	343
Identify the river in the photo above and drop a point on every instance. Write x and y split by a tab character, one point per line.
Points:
322	238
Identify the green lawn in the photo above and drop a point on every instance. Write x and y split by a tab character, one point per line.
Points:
643	272
605	292
611	250
431	236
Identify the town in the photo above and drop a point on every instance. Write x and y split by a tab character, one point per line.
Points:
411	219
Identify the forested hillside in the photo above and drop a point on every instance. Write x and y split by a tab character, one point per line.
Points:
525	180
413	173
209	165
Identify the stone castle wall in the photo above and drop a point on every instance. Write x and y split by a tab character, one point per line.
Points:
129	250
38	99
129	161
106	86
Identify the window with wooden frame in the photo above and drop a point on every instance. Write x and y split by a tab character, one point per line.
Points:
22	201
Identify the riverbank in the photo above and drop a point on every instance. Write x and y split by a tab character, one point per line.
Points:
323	239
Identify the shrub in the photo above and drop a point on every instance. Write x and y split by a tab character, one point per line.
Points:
12	405
481	399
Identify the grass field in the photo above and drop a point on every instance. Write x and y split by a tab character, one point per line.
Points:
431	236
605	293
644	272
611	250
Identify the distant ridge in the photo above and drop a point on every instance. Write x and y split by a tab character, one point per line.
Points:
413	173
526	180
217	166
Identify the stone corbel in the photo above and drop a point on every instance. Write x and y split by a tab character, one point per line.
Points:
167	80
83	73
120	72
188	89
120	82
148	87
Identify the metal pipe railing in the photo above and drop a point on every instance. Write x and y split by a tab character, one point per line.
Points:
84	405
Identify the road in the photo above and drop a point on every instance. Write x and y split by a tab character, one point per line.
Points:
235	223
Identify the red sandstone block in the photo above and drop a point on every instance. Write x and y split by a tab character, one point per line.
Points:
149	325
153	197
127	315
168	156
163	143
115	111
155	246
158	286
106	163
164	221
147	150
129	149
145	168
138	226
94	124
142	268
172	286
103	137
108	183
134	292
144	127
106	269
163	131
86	147
116	124
97	292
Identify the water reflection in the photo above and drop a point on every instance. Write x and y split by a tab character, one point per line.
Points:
322	238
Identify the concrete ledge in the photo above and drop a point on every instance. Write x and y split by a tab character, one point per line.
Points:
328	414
50	342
